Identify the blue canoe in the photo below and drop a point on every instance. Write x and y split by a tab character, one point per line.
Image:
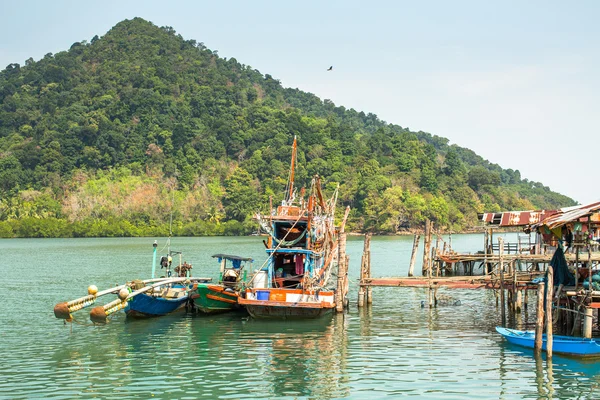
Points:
568	345
144	305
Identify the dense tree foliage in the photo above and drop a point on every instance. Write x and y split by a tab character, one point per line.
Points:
114	135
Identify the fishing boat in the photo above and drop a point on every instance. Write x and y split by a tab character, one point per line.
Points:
139	298
222	297
568	345
302	249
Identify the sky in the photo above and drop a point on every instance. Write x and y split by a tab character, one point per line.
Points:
516	82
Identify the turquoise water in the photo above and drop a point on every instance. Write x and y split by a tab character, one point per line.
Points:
392	348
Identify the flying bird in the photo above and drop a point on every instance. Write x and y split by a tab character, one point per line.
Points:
330	68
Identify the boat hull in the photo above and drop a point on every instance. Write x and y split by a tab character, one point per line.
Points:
567	345
144	305
288	304
211	299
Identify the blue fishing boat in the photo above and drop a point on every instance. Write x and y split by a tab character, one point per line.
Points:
160	301
568	345
139	298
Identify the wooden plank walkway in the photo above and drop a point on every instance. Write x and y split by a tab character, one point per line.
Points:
456	282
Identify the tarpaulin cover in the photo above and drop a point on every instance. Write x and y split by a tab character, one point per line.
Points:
562	275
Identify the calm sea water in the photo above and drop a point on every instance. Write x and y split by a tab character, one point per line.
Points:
392	348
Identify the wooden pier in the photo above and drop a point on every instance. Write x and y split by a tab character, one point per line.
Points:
512	270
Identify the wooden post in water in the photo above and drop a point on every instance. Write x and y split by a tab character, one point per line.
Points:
438	264
346	283
361	288
539	319
427	247
549	298
363	292
342	273
587	322
368	258
413	255
516	306
502	299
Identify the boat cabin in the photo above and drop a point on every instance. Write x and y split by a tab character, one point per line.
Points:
232	269
289	234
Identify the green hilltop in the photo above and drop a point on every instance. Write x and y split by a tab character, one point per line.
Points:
100	139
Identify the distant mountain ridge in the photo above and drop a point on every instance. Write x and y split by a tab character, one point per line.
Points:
96	140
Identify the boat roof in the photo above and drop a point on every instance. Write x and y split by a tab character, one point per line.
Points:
290	250
230	257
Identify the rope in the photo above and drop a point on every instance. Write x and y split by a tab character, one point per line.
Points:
276	248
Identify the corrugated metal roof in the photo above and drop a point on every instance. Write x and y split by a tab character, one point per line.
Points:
572	215
517	218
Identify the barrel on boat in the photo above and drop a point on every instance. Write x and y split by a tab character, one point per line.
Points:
262	295
260	280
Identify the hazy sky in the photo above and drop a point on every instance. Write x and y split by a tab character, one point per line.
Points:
515	81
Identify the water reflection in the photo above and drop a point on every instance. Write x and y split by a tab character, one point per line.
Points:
561	377
298	358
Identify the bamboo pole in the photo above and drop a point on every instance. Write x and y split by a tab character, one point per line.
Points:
413	255
549	297
539	319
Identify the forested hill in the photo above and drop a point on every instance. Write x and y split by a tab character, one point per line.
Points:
98	140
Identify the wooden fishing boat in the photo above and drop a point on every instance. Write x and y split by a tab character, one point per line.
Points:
139	298
222	297
568	345
164	298
160	300
302	250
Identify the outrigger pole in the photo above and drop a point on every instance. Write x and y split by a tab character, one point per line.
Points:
64	309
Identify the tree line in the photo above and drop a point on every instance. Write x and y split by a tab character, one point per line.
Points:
117	135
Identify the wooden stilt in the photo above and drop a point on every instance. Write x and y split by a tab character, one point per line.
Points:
502	298
518	301
413	255
549	298
587	322
346	283
539	319
427	248
369	291
342	268
361	288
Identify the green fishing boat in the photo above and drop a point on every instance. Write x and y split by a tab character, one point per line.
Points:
222	297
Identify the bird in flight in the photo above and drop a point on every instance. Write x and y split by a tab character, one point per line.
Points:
330	68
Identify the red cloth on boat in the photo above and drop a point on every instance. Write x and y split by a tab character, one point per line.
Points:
299	264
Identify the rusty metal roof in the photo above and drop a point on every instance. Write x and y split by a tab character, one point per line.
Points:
573	215
516	218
